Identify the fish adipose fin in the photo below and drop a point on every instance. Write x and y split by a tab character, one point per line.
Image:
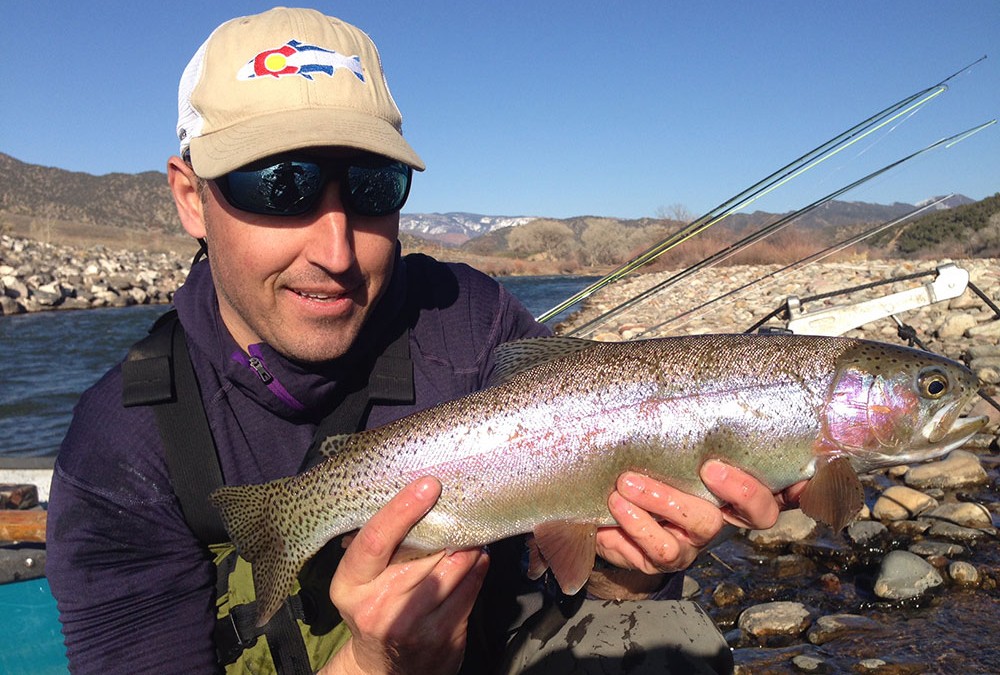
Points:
568	549
834	494
255	530
513	358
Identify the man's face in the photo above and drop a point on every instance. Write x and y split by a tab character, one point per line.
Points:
305	284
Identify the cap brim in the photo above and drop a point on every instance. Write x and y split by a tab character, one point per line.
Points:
217	153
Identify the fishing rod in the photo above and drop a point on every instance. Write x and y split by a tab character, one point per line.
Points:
773	181
799	264
766	231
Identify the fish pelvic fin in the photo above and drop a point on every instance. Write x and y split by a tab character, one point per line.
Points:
834	494
249	512
568	549
513	358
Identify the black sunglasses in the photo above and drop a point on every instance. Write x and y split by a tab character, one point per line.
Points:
292	187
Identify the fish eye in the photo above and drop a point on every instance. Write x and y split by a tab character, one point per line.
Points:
932	384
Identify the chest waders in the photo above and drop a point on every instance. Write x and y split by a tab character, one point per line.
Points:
307	630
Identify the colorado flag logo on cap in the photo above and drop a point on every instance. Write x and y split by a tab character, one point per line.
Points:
295	58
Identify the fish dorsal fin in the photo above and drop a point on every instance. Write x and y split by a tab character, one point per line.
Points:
568	549
834	494
513	358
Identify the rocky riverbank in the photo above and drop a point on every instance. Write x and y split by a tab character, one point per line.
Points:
36	276
904	589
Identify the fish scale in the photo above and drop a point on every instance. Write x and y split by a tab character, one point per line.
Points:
540	450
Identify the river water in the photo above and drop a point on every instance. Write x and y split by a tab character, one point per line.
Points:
47	359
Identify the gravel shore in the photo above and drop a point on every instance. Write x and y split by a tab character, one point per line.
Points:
36	276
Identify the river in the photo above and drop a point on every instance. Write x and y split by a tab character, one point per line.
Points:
47	359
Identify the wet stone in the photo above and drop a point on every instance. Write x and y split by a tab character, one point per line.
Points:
775	618
727	594
902	503
792	566
791	526
952	532
809	664
830	583
928	548
866	532
897	471
690	588
980	441
964	574
835	626
960	469
904	575
966	514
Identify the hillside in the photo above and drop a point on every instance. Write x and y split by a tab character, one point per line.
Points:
136	211
977	224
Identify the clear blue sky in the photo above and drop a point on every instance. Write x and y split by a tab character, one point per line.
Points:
557	108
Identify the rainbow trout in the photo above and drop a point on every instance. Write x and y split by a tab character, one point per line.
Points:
540	450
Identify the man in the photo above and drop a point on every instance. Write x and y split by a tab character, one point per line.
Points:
292	172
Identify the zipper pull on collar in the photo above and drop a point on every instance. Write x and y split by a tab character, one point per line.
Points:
262	371
255	361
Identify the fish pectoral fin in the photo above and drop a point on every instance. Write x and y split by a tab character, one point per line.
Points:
568	549
834	494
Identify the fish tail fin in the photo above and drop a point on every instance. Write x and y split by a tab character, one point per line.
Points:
254	522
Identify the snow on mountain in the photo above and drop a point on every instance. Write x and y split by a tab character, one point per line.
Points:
456	228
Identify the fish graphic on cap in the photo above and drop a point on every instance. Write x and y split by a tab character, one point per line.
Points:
296	58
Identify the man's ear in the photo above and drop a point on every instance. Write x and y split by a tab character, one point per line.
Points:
184	185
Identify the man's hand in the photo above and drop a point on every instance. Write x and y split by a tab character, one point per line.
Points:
662	529
409	616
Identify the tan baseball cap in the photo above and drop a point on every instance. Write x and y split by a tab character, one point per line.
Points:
284	80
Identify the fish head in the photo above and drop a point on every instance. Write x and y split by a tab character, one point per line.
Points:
891	405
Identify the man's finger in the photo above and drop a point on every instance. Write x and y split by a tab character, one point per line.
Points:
661	550
749	500
699	520
373	546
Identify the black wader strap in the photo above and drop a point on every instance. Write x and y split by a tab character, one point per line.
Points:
169	386
158	372
390	380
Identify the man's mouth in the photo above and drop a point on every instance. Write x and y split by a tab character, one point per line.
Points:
318	296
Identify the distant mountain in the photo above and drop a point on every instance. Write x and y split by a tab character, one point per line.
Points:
31	193
949	203
139	201
455	228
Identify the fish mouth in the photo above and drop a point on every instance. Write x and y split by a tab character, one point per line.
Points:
953	435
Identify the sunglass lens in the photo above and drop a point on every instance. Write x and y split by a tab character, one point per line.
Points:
378	191
288	188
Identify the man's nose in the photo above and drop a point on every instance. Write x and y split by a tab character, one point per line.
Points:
331	240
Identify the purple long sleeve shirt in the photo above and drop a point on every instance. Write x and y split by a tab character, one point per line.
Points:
135	588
